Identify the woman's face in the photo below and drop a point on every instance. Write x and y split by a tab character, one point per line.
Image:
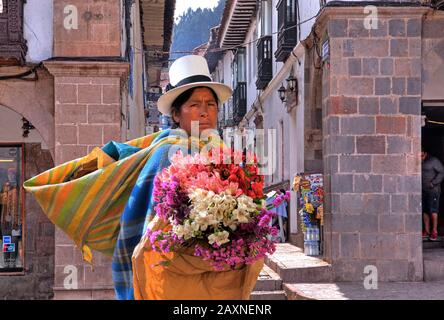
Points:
202	107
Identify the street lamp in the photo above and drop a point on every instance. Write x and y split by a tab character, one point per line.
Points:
282	93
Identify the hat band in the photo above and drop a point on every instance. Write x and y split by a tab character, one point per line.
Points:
192	79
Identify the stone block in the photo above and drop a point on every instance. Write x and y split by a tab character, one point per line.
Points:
414	86
397	144
368	105
90	94
393	270
66	134
376	203
355	66
65	93
386	66
90	134
382	86
343	105
351	204
397	28
381	29
367	183
415	47
111	132
398	86
352	164
414	27
356	86
388	105
391	223
111	94
70	114
341	144
369	245
358	125
399	48
337	28
345	223
350	245
410	105
371	47
356	29
398	203
391	124
332	125
415	203
389	164
389	183
370	66
106	114
370	144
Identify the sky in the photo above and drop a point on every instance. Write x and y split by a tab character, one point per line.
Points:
183	5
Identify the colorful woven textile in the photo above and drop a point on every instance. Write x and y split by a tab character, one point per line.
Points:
103	200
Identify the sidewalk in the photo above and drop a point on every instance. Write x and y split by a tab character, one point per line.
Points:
309	278
356	291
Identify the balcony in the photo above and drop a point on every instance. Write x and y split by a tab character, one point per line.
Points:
239	102
12	43
287	29
264	62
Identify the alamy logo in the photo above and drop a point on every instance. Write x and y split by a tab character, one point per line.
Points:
70	282
371	21
71	21
371	280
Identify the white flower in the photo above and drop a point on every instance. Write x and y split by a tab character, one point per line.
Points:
204	219
241	215
219	237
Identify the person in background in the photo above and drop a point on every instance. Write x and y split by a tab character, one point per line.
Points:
432	176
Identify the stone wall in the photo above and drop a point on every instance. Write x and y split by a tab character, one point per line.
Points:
372	128
38	279
88	106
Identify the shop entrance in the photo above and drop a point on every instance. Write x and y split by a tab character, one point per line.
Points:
433	141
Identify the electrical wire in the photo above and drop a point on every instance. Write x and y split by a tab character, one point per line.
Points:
23	75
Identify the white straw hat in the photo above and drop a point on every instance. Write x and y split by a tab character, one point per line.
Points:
189	72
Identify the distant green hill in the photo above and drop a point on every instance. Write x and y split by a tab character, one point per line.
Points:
193	28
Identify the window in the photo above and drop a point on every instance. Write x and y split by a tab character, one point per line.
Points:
266	18
239	67
11	208
287	30
12	43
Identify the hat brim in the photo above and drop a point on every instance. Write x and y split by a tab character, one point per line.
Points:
165	101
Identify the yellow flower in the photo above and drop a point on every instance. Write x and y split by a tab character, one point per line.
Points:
309	208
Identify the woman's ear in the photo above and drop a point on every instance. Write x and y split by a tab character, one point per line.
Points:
175	116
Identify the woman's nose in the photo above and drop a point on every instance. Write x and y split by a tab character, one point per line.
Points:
203	109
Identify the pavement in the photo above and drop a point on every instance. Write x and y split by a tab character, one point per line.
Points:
308	278
356	291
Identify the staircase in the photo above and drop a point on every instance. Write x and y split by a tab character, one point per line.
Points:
287	266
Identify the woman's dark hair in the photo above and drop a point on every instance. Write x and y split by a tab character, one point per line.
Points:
182	98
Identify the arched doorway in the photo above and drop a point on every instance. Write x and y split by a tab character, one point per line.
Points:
26	235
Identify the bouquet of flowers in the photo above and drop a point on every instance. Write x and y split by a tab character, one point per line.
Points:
216	207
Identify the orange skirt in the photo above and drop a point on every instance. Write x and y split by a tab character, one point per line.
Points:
188	277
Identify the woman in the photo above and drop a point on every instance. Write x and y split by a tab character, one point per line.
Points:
122	174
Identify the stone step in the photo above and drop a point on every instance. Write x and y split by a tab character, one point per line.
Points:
433	264
433	244
268	280
293	266
268	295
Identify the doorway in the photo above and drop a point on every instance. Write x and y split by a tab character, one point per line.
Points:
432	139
